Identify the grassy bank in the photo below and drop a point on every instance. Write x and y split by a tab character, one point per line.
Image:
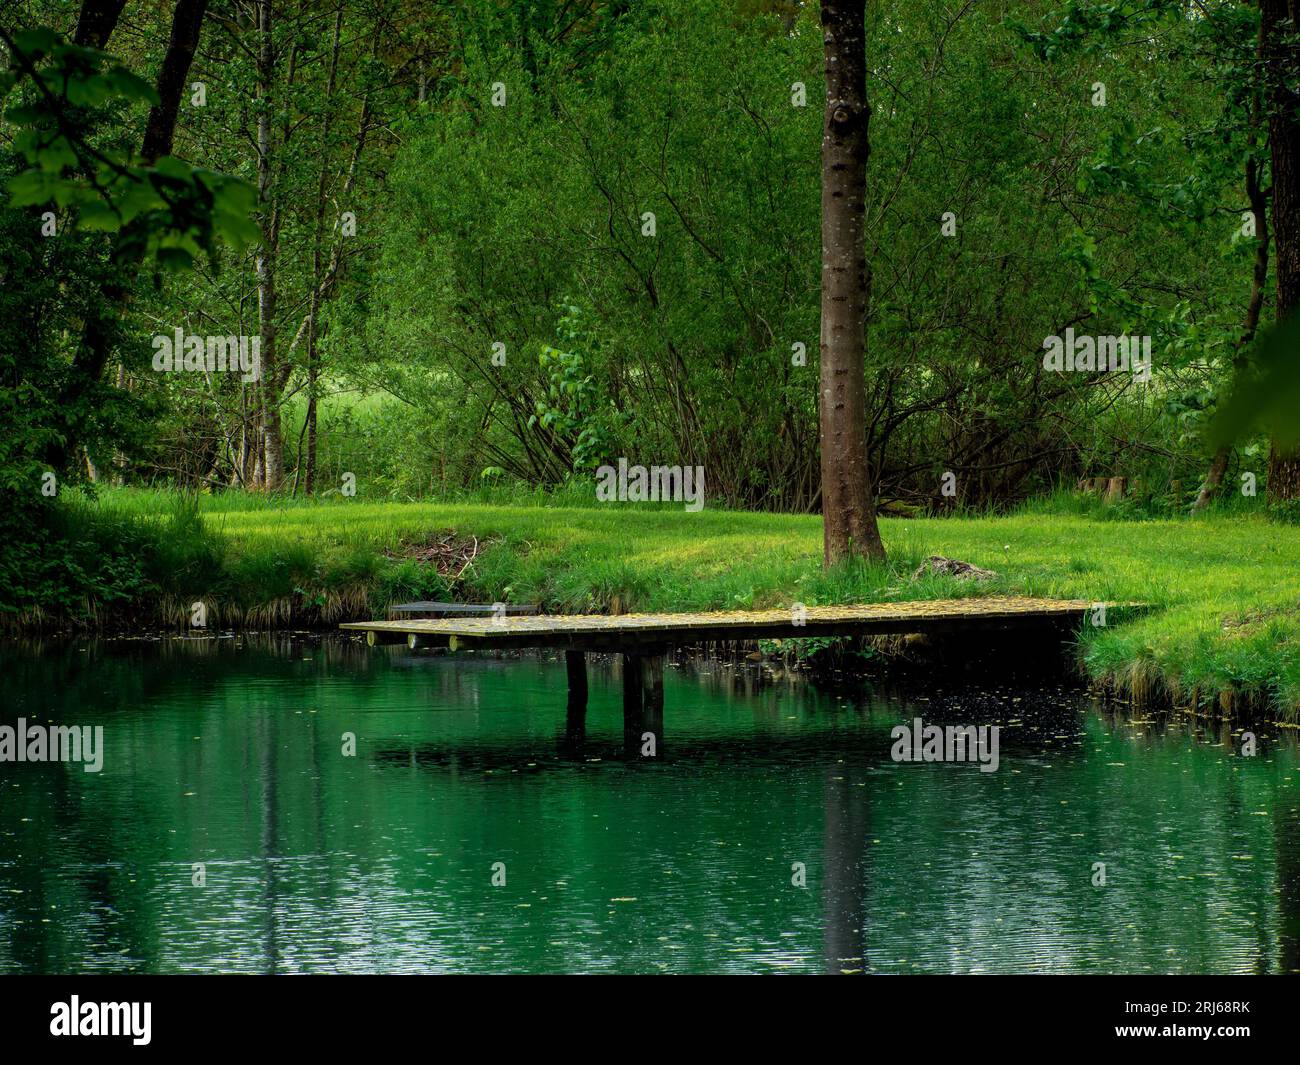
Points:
1226	627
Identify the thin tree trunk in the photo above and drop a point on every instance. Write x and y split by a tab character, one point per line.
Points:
1213	479
96	22
1258	280
119	456
848	507
161	129
100	330
271	443
312	377
1282	56
323	286
313	314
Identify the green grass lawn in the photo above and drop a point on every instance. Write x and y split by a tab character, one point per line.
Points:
1225	587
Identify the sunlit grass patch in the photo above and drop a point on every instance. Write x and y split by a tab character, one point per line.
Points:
1225	627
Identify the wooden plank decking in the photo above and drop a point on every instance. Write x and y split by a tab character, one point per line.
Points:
644	639
591	632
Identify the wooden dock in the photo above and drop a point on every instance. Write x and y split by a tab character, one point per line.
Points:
644	639
623	632
444	610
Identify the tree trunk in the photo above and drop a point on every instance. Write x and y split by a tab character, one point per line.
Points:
99	332
309	485
1283	475
186	23
272	447
1213	478
96	22
1259	278
317	280
119	456
271	444
1282	59
848	507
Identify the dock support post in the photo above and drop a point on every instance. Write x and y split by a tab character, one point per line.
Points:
575	718
652	678
632	702
643	705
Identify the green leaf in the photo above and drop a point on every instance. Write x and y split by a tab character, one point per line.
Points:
32	187
176	260
131	86
238	229
56	155
138	198
1271	398
88	92
36	42
177	169
99	216
24	115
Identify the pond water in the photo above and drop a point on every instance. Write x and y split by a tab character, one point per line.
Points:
773	833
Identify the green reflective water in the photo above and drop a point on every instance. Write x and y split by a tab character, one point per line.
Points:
230	754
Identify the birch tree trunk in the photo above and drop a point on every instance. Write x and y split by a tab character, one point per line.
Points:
271	445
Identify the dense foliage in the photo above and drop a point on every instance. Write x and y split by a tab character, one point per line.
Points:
504	243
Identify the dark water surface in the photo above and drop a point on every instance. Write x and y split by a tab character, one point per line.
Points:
229	753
